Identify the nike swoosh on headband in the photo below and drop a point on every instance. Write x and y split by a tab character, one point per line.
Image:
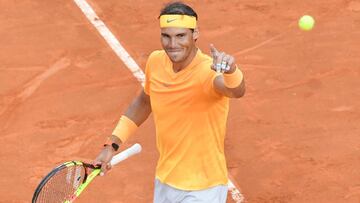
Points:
170	20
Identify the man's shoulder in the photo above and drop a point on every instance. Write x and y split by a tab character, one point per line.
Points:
157	54
206	57
205	61
155	59
204	67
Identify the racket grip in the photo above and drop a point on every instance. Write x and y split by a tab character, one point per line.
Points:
135	149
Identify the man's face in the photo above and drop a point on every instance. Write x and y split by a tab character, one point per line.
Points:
178	43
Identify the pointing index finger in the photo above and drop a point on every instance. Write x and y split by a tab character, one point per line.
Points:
213	50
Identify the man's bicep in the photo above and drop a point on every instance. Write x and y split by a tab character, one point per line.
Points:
140	108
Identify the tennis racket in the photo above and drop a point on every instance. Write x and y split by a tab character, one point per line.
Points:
67	181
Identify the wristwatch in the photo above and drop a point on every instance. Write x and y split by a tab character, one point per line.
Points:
112	144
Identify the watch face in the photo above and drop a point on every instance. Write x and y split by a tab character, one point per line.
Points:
115	146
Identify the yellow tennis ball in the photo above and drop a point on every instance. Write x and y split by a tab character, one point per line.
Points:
306	23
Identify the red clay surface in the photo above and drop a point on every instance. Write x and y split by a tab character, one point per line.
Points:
294	137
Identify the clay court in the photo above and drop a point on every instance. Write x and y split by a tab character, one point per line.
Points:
293	137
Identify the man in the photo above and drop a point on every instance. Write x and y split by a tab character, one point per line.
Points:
188	93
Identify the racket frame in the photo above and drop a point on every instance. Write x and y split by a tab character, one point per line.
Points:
88	177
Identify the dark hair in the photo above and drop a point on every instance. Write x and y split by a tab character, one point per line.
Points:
178	7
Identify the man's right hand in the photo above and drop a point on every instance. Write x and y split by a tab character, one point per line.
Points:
104	158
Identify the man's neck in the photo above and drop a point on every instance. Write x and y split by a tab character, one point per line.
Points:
179	66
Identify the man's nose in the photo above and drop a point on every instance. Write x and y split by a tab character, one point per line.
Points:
172	42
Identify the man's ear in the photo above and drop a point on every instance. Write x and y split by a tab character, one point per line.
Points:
196	33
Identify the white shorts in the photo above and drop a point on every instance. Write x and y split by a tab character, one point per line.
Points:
164	193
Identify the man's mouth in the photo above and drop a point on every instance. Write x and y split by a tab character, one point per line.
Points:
174	50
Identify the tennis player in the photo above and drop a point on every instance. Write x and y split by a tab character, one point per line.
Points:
188	93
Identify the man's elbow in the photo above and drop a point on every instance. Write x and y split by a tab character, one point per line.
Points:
239	93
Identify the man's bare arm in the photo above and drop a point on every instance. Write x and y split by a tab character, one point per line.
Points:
220	88
138	111
231	83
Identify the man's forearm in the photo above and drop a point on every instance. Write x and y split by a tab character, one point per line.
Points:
138	111
239	91
236	92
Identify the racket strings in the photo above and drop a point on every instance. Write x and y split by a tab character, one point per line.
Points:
62	185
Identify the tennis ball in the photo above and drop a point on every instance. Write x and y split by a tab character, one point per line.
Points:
306	23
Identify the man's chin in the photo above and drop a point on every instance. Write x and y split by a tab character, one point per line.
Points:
175	58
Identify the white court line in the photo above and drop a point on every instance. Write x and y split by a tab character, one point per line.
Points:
111	40
132	65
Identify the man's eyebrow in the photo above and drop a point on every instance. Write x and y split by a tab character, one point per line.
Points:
177	34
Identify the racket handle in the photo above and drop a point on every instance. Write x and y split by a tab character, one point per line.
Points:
135	149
